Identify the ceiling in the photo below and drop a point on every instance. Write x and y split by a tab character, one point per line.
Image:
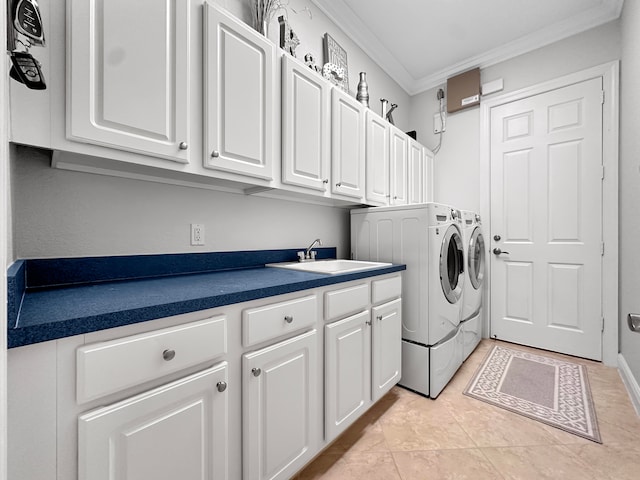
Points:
420	43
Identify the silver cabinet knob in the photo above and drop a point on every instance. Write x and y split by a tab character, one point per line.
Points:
215	154
222	386
497	251
326	180
183	145
338	184
395	197
497	238
168	355
256	372
379	317
288	318
368	322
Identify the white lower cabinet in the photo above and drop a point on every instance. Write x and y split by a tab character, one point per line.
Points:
178	430
280	405
347	372
251	391
386	347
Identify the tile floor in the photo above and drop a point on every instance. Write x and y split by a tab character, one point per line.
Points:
409	437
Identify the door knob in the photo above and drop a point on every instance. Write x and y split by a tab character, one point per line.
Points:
497	251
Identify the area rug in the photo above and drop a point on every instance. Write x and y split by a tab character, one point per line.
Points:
549	390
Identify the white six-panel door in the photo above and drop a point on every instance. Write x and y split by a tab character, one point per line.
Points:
546	212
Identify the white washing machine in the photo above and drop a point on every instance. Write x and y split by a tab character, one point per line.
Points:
428	239
474	260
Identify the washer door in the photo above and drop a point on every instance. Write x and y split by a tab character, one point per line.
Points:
452	264
476	258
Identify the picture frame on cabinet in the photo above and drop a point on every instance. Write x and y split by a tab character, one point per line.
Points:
336	55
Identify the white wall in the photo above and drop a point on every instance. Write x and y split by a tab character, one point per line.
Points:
59	213
630	184
456	167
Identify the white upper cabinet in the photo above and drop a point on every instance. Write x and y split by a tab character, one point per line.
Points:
240	95
398	166
128	76
377	160
429	157
347	145
305	126
416	179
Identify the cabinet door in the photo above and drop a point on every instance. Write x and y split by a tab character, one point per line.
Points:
347	372
386	347
416	177
347	145
305	126
280	408
240	91
428	175
398	165
377	160
176	431
128	75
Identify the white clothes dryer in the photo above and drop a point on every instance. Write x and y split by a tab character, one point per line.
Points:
473	290
427	238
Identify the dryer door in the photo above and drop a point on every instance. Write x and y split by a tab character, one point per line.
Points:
475	263
452	264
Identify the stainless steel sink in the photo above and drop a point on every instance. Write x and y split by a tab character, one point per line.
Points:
330	267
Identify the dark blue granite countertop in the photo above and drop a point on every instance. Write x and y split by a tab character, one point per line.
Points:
56	298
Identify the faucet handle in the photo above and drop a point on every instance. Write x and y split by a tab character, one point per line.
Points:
313	254
300	256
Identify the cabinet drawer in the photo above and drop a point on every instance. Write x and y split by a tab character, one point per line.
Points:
386	289
341	303
277	319
107	367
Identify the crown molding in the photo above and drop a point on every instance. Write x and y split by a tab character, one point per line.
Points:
340	14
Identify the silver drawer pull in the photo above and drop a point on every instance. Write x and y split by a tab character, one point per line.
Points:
168	355
256	372
222	386
288	318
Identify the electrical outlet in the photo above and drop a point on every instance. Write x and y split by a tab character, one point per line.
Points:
197	234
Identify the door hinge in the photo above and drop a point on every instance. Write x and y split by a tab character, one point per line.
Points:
602	172
602	97
602	325
602	248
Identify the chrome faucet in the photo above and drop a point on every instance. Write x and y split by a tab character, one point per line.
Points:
308	254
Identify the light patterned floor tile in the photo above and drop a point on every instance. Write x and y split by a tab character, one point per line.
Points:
461	464
539	463
369	466
406	436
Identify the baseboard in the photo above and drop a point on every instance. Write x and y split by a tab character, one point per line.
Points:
630	382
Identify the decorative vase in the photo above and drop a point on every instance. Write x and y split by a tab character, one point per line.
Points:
363	90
